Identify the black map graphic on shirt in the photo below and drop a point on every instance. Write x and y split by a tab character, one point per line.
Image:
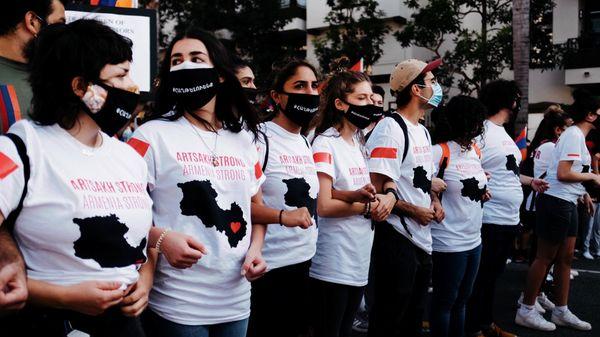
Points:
511	164
200	199
471	190
102	241
585	168
421	180
298	195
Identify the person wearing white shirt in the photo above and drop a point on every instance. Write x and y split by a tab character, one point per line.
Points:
556	217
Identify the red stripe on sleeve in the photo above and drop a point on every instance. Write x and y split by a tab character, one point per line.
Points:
7	166
384	152
258	170
139	146
572	155
322	157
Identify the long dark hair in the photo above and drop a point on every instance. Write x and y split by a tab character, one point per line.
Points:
232	107
339	85
583	104
461	120
553	118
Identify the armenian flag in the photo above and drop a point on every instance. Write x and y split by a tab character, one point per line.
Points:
521	142
10	111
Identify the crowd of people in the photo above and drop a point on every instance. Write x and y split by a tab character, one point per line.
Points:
225	216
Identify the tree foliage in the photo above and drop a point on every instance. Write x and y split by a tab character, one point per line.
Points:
356	29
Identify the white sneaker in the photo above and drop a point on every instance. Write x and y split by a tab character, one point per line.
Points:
569	319
574	273
587	255
549	278
534	320
545	302
537	305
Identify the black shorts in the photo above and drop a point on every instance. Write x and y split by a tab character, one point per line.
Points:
556	219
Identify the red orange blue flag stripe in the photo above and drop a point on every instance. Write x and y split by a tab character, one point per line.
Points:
10	111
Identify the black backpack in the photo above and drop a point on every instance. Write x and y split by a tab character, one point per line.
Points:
11	219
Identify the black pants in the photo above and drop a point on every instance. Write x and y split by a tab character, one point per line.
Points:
58	323
497	241
401	275
334	307
280	302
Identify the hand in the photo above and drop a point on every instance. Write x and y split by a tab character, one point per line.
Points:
438	185
254	265
182	251
486	196
385	207
488	175
93	297
539	185
365	193
588	203
136	299
13	287
423	215
297	218
595	179
436	205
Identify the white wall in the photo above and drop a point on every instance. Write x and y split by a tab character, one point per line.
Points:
566	23
582	76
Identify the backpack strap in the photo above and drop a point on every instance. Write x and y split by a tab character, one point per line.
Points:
444	160
264	166
306	141
404	128
477	150
11	219
534	193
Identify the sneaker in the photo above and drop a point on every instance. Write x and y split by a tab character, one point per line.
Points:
574	273
495	331
587	255
549	278
545	302
360	325
533	319
569	319
537	305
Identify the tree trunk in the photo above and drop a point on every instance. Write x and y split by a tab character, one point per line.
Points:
521	48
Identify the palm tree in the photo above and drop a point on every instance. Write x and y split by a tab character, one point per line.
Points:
521	45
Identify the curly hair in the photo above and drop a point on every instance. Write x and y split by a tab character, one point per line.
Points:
63	52
461	120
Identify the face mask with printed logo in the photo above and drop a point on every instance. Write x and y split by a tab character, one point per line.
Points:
193	85
360	116
111	108
301	108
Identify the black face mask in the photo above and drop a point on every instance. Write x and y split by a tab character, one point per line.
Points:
377	114
360	115
301	108
252	95
193	88
117	110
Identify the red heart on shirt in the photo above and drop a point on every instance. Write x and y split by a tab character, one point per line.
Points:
235	226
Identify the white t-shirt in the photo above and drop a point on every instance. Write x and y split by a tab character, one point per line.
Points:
413	177
87	213
500	157
291	182
344	244
570	147
210	203
461	228
542	156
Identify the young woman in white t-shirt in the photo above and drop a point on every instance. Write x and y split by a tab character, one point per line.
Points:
346	202
279	302
556	217
457	238
86	214
203	176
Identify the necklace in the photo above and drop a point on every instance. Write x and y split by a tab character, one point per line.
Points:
213	156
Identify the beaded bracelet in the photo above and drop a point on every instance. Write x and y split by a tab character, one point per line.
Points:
160	239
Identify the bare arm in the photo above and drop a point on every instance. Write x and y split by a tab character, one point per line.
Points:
13	284
565	174
266	215
329	207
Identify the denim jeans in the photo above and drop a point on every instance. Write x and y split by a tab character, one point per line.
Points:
453	277
157	326
592	238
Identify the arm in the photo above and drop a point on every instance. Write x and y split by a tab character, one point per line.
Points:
565	174
181	250
254	265
137	299
265	215
13	284
538	185
329	207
